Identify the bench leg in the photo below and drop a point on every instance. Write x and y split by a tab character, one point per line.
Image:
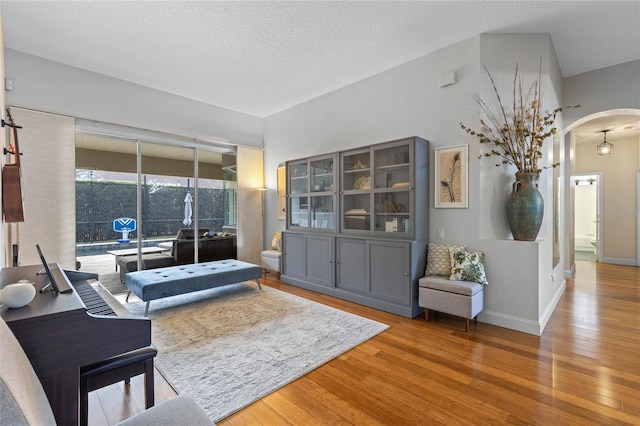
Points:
466	325
128	294
426	314
146	308
258	281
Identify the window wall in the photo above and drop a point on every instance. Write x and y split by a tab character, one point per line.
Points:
153	183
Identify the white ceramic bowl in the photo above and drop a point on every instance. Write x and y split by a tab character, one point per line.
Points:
17	295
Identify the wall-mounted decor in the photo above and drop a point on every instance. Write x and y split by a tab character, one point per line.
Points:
451	183
282	191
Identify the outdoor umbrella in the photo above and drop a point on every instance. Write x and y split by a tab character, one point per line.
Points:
187	209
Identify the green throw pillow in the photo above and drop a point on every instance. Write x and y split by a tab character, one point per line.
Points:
439	259
466	266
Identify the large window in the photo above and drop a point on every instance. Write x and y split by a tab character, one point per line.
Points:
154	184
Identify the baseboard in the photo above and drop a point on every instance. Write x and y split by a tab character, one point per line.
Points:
546	315
619	261
571	273
510	322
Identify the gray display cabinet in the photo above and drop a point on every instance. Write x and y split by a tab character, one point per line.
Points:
372	248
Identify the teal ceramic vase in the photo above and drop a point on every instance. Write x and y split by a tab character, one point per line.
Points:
525	207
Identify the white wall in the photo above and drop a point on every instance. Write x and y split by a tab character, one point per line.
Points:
406	101
49	86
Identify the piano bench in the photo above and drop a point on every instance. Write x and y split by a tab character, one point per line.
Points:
113	370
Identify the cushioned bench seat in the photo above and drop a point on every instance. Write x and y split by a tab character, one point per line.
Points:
460	298
157	283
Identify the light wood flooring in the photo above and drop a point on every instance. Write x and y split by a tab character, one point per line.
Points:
584	369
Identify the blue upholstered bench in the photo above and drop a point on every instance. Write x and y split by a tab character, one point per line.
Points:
157	283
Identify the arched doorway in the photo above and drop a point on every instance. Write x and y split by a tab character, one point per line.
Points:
620	228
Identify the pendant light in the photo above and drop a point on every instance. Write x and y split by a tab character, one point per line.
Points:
605	147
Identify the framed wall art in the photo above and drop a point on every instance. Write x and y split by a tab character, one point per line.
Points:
450	178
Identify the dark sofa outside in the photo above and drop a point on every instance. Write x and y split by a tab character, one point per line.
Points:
210	247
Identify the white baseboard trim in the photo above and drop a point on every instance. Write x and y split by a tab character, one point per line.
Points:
571	273
513	323
619	261
546	315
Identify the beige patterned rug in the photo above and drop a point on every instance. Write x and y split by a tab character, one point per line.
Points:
231	346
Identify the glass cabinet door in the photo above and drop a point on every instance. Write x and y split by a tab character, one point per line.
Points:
356	191
322	191
298	212
392	188
298	202
311	194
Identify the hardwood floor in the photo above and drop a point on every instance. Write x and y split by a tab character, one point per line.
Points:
584	369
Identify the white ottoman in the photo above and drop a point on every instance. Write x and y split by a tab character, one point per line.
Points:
271	261
460	298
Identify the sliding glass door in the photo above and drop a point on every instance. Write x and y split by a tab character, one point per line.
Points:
160	190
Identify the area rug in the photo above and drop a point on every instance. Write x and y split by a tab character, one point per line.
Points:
228	347
112	283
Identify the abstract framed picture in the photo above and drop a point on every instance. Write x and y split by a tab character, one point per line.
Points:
451	177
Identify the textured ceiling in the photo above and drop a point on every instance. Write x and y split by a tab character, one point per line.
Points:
262	57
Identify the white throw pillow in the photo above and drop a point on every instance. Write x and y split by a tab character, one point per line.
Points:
276	241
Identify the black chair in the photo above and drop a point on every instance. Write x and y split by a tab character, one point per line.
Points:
113	370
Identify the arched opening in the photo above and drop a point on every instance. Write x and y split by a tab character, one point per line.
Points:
618	233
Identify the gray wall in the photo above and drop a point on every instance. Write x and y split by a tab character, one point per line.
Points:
615	87
53	87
